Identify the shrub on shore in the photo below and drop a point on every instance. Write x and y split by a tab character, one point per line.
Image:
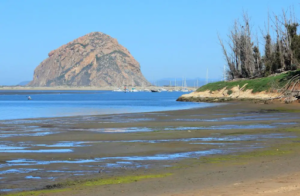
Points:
271	83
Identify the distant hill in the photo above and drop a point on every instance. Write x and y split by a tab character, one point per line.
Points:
24	83
95	59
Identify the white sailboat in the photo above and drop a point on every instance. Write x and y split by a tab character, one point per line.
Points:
170	90
145	89
184	86
161	89
175	87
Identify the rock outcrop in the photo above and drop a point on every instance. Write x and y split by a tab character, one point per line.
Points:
223	95
95	59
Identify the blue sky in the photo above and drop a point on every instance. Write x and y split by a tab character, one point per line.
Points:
169	38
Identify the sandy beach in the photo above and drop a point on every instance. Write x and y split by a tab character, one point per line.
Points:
230	149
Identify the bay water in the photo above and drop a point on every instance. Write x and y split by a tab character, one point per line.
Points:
15	105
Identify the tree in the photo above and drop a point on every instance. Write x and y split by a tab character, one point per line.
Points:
243	59
268	55
257	60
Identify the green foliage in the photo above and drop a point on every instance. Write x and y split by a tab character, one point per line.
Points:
268	55
257	85
296	46
276	64
257	60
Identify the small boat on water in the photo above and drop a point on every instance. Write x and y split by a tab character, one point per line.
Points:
134	90
118	90
184	90
29	98
155	91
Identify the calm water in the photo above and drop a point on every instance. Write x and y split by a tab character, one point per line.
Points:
73	103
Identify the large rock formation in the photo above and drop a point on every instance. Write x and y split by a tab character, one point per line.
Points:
95	59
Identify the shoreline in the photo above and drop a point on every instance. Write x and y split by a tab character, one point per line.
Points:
182	176
79	88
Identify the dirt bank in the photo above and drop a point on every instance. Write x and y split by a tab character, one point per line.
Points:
224	94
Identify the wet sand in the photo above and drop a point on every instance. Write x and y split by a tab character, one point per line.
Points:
209	151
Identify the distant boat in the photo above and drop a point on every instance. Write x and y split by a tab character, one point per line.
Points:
170	86
29	98
118	90
147	90
184	90
184	86
155	91
134	90
175	87
162	89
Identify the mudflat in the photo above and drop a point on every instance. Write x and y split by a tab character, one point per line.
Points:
230	149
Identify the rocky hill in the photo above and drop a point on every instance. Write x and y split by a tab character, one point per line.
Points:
95	59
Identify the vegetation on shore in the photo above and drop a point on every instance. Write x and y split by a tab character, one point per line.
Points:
280	52
269	84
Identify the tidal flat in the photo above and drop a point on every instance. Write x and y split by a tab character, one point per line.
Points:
67	153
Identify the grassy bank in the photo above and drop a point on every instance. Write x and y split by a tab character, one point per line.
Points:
257	85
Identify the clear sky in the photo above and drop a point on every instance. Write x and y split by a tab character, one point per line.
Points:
169	38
